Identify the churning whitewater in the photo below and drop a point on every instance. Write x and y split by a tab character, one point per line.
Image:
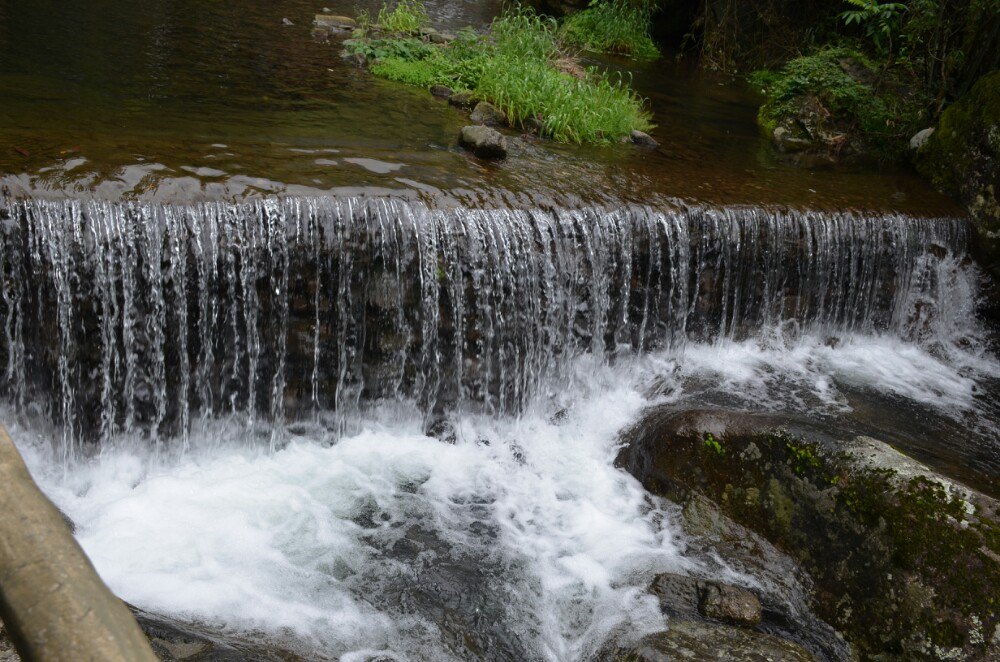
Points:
366	425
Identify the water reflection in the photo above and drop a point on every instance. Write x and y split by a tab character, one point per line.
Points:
192	100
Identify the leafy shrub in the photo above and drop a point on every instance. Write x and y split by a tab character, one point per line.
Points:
613	26
881	21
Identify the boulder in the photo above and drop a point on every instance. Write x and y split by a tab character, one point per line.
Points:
962	158
694	640
488	114
484	142
643	139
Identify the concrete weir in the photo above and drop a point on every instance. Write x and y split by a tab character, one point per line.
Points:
52	601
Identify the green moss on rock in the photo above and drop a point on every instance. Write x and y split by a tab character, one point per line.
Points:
904	567
962	158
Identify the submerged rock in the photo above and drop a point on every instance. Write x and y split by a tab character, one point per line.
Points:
441	91
484	142
694	640
487	114
904	562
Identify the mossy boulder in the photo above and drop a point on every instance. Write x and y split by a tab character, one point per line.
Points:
962	158
904	564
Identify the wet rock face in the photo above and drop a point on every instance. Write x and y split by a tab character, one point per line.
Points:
730	604
687	596
904	563
693	640
7	652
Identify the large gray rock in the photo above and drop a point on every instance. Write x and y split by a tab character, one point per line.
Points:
484	142
904	564
693	640
488	114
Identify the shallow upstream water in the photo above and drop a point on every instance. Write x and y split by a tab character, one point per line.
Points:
190	101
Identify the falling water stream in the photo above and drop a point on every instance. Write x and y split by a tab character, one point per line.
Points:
347	425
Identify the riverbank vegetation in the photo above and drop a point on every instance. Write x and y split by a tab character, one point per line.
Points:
521	65
613	26
879	70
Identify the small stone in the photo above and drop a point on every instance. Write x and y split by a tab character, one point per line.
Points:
484	142
920	138
441	91
462	99
286	21
643	139
441	37
488	114
730	604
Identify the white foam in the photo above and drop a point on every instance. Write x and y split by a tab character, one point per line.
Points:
285	543
327	547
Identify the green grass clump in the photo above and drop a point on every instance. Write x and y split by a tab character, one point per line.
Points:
407	17
613	26
881	116
513	68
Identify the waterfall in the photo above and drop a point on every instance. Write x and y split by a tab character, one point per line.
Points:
138	317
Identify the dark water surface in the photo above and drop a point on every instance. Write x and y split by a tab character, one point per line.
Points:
187	100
